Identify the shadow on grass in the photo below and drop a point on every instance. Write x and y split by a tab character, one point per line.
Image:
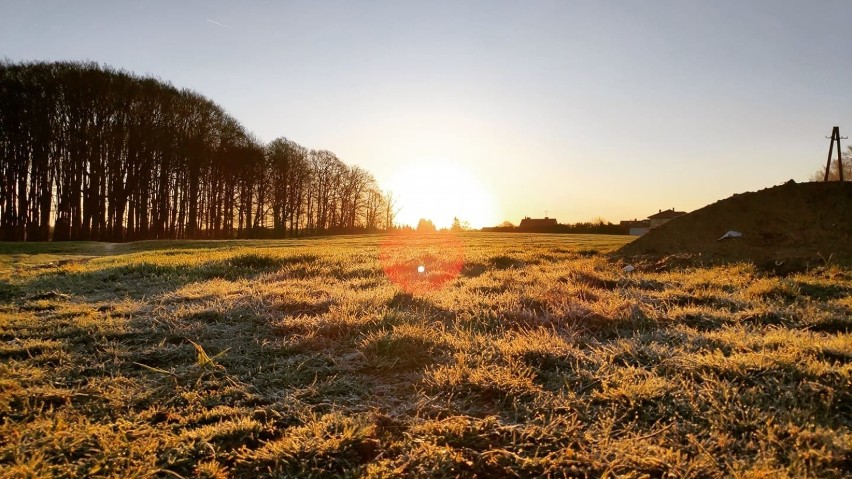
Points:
409	303
8	291
144	279
823	291
473	269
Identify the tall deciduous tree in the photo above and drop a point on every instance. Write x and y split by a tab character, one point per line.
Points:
92	153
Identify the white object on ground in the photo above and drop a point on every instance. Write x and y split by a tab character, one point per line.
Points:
628	269
731	234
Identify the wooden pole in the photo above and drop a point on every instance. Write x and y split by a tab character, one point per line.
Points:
835	138
839	161
835	134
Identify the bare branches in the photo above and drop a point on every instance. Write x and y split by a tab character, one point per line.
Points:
90	153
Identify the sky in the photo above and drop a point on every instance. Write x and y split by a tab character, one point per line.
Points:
493	110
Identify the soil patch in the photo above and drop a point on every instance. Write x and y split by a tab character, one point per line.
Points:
786	227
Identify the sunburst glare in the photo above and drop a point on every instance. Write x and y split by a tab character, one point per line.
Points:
441	190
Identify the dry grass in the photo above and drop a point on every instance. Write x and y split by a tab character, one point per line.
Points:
534	357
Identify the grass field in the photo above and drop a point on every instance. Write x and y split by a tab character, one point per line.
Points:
508	356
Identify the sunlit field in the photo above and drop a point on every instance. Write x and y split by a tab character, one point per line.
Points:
481	355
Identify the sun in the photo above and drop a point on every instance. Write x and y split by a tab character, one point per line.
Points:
440	190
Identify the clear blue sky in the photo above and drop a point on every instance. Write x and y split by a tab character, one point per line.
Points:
582	109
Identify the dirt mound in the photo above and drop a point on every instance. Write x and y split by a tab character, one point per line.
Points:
794	224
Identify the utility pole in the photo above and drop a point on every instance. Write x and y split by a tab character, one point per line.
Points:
835	138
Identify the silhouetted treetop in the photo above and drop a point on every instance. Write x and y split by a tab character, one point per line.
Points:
834	170
426	226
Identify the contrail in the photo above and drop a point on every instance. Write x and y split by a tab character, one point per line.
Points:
220	24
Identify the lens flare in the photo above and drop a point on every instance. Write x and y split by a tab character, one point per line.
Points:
418	263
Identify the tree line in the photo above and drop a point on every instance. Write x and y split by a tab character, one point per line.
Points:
596	226
88	152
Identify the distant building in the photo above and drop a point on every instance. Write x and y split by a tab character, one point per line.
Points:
640	227
663	217
636	227
538	224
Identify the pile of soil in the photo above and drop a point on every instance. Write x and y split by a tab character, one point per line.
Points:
787	226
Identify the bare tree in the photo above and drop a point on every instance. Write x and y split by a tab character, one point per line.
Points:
834	171
89	152
391	209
